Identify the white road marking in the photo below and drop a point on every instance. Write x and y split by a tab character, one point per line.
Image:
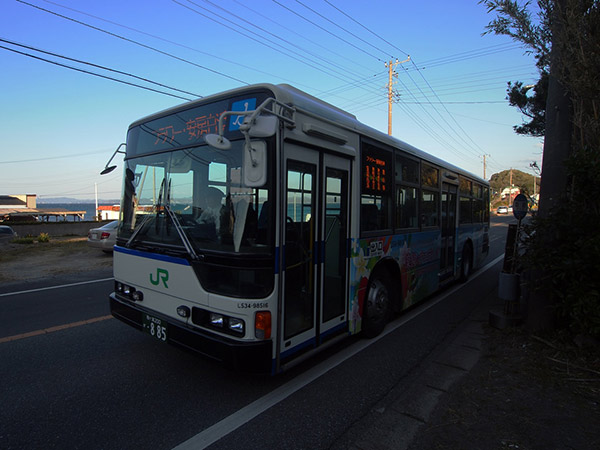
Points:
55	287
229	424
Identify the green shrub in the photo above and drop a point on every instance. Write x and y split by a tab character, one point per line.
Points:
24	240
43	237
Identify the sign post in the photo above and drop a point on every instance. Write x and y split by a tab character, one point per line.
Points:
520	207
509	279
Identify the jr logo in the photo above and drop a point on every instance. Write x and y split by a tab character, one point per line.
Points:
161	275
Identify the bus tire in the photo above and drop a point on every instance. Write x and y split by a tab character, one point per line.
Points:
466	265
378	304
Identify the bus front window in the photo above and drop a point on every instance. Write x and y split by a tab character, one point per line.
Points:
198	193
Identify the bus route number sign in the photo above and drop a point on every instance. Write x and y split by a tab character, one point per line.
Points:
520	207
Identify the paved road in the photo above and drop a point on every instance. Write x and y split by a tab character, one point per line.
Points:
99	384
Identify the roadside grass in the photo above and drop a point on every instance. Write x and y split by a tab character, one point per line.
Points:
33	246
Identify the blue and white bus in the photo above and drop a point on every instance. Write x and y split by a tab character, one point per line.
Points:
262	224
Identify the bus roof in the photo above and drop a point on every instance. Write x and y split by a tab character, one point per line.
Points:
307	103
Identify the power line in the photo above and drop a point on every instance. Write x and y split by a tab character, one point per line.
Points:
76	155
471	54
238	64
360	24
448	112
313	64
340	27
92	73
255	39
98	67
291	30
451	128
326	30
148	47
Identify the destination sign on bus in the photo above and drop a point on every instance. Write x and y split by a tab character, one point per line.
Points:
191	130
187	127
375	171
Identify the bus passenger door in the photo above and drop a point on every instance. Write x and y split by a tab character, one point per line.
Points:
334	246
314	254
447	250
299	220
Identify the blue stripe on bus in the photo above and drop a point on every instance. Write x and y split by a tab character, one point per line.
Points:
333	330
165	258
309	343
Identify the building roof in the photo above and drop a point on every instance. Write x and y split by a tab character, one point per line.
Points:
10	200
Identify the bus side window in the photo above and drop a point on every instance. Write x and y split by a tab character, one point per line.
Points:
430	196
376	188
369	217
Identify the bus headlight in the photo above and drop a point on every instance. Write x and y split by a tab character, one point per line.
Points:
183	311
217	320
236	325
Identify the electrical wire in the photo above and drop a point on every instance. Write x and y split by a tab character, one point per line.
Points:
292	31
148	47
361	25
299	57
97	66
265	31
455	132
340	27
326	30
463	132
249	36
178	44
92	73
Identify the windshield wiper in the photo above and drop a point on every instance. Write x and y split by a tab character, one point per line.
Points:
180	231
165	188
147	218
137	230
186	242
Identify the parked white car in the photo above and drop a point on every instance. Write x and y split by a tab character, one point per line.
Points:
104	237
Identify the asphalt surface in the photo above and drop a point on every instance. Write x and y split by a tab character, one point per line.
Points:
405	411
101	384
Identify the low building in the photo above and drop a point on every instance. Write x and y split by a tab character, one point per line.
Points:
510	191
23	208
108	212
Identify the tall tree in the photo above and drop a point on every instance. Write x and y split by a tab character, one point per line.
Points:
562	254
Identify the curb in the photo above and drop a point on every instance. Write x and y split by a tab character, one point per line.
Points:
397	419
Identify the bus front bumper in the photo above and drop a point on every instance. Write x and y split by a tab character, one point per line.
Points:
246	356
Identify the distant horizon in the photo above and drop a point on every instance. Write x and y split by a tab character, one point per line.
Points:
70	200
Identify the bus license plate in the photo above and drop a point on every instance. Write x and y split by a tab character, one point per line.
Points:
155	327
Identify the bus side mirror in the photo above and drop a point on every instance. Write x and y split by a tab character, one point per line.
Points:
263	126
255	163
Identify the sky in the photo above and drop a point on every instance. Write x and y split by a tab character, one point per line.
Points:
74	74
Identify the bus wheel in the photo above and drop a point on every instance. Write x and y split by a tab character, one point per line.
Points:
378	303
466	265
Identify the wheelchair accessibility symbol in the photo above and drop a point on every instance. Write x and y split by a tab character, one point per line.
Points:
242	105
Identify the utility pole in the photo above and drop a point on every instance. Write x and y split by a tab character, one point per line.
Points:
392	73
510	192
484	166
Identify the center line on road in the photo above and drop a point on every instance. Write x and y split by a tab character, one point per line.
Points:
55	287
17	337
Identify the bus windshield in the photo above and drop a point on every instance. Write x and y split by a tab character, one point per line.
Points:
194	197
